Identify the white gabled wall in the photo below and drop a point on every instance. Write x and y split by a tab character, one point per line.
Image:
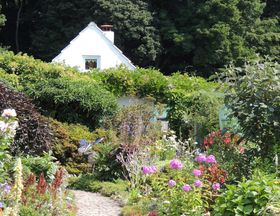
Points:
92	42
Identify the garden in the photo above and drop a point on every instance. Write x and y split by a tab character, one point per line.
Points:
61	129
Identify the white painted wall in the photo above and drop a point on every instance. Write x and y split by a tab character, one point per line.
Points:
92	42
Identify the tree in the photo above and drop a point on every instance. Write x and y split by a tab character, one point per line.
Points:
19	4
2	18
205	35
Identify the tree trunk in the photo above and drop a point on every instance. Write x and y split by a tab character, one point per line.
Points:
17	26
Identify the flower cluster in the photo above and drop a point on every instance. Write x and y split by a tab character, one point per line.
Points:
226	139
8	124
207	159
149	170
176	164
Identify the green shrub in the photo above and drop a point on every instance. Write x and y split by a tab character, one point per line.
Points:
192	102
33	135
66	143
38	165
106	166
64	93
28	211
249	197
194	114
253	96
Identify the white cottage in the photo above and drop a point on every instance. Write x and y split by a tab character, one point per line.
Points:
93	48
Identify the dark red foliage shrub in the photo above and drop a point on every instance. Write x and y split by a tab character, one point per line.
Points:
33	135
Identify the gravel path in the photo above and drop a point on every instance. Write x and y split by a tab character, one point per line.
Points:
94	204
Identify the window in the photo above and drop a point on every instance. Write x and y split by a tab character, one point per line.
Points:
90	64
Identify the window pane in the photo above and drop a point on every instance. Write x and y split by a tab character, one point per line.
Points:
90	64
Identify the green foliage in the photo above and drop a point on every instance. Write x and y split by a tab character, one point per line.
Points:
105	164
38	165
66	143
254	98
2	18
64	93
205	35
249	197
192	102
28	211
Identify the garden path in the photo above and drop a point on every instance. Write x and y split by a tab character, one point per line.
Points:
94	204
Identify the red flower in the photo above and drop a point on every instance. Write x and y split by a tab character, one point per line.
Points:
227	140
205	142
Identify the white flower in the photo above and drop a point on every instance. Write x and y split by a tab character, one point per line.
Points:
3	126
9	113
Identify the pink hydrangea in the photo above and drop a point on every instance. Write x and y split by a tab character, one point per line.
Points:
171	183
211	159
200	158
197	183
186	187
197	172
176	164
149	170
216	186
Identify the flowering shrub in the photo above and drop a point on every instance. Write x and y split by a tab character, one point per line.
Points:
46	198
182	186
233	155
8	125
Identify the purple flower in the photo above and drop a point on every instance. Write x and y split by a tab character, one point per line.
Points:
153	169
171	183
186	187
146	170
149	170
200	158
7	188
176	164
197	172
211	159
1	205
216	186
197	183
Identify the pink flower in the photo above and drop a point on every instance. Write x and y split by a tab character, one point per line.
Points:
176	164
216	186
197	172
197	183
146	170
171	183
211	159
149	170
186	187
153	169
200	158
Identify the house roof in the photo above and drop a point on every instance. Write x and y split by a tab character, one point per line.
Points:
101	33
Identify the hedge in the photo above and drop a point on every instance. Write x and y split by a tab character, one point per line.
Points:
62	92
